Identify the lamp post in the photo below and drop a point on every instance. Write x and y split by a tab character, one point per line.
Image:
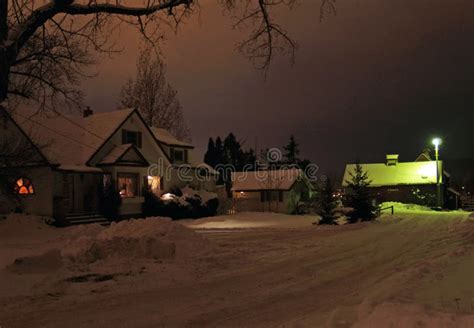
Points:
436	143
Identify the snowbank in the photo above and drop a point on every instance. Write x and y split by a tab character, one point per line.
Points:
250	220
396	315
151	238
401	207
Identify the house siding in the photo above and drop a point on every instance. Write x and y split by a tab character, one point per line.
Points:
409	194
41	202
250	201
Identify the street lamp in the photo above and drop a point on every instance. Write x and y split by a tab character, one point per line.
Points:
436	143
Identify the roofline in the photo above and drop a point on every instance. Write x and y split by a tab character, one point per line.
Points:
47	162
57	169
257	190
345	185
384	163
121	156
118	128
176	145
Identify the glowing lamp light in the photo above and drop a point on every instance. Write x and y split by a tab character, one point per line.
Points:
436	142
167	196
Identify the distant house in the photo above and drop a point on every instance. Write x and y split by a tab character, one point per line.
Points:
75	156
408	182
273	190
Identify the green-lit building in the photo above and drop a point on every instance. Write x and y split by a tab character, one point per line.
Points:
408	182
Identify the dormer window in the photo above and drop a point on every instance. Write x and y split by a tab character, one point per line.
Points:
132	137
178	155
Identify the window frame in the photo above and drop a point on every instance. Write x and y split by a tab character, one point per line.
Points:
127	139
136	176
184	152
28	185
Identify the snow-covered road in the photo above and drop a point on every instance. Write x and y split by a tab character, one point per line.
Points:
410	270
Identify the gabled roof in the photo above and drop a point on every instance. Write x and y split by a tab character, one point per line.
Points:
168	139
71	140
126	154
404	173
265	180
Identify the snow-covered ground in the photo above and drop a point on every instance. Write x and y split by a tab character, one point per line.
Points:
413	269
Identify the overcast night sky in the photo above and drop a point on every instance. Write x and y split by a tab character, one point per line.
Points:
380	77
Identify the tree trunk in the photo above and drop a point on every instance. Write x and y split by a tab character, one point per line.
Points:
4	57
4	74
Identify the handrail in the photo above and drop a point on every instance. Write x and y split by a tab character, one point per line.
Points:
386	208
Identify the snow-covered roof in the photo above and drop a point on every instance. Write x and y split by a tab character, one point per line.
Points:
69	139
168	139
404	173
265	180
72	139
79	168
115	154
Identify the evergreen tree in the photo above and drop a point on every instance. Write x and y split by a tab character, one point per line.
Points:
291	151
233	153
249	159
359	196
326	203
210	157
219	151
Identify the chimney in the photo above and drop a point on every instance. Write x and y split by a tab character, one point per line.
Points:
87	112
392	159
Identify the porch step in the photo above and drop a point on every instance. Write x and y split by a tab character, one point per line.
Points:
75	219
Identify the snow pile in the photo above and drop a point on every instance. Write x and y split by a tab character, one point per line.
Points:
188	193
46	262
22	225
409	315
204	195
151	238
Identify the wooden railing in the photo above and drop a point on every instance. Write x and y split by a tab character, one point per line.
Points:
386	208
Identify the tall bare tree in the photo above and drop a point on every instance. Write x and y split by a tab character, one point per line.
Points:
154	97
46	46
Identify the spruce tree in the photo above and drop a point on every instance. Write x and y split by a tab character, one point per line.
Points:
359	196
325	203
210	157
291	151
219	151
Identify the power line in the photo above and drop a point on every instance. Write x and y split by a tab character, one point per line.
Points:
54	131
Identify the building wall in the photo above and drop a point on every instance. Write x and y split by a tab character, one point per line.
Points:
416	194
249	201
159	165
39	203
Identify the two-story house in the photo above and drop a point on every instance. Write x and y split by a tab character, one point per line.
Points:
71	158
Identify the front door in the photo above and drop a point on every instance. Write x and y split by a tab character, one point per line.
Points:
68	192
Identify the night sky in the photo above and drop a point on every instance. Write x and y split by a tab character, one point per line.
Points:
380	77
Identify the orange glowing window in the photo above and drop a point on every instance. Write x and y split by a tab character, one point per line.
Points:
23	186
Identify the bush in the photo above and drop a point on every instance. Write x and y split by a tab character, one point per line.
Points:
326	204
177	208
110	202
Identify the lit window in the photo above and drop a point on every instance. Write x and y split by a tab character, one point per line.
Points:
23	186
128	184
154	183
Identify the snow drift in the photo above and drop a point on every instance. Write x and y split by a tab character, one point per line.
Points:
152	238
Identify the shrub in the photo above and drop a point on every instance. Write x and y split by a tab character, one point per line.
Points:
326	204
110	202
177	208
